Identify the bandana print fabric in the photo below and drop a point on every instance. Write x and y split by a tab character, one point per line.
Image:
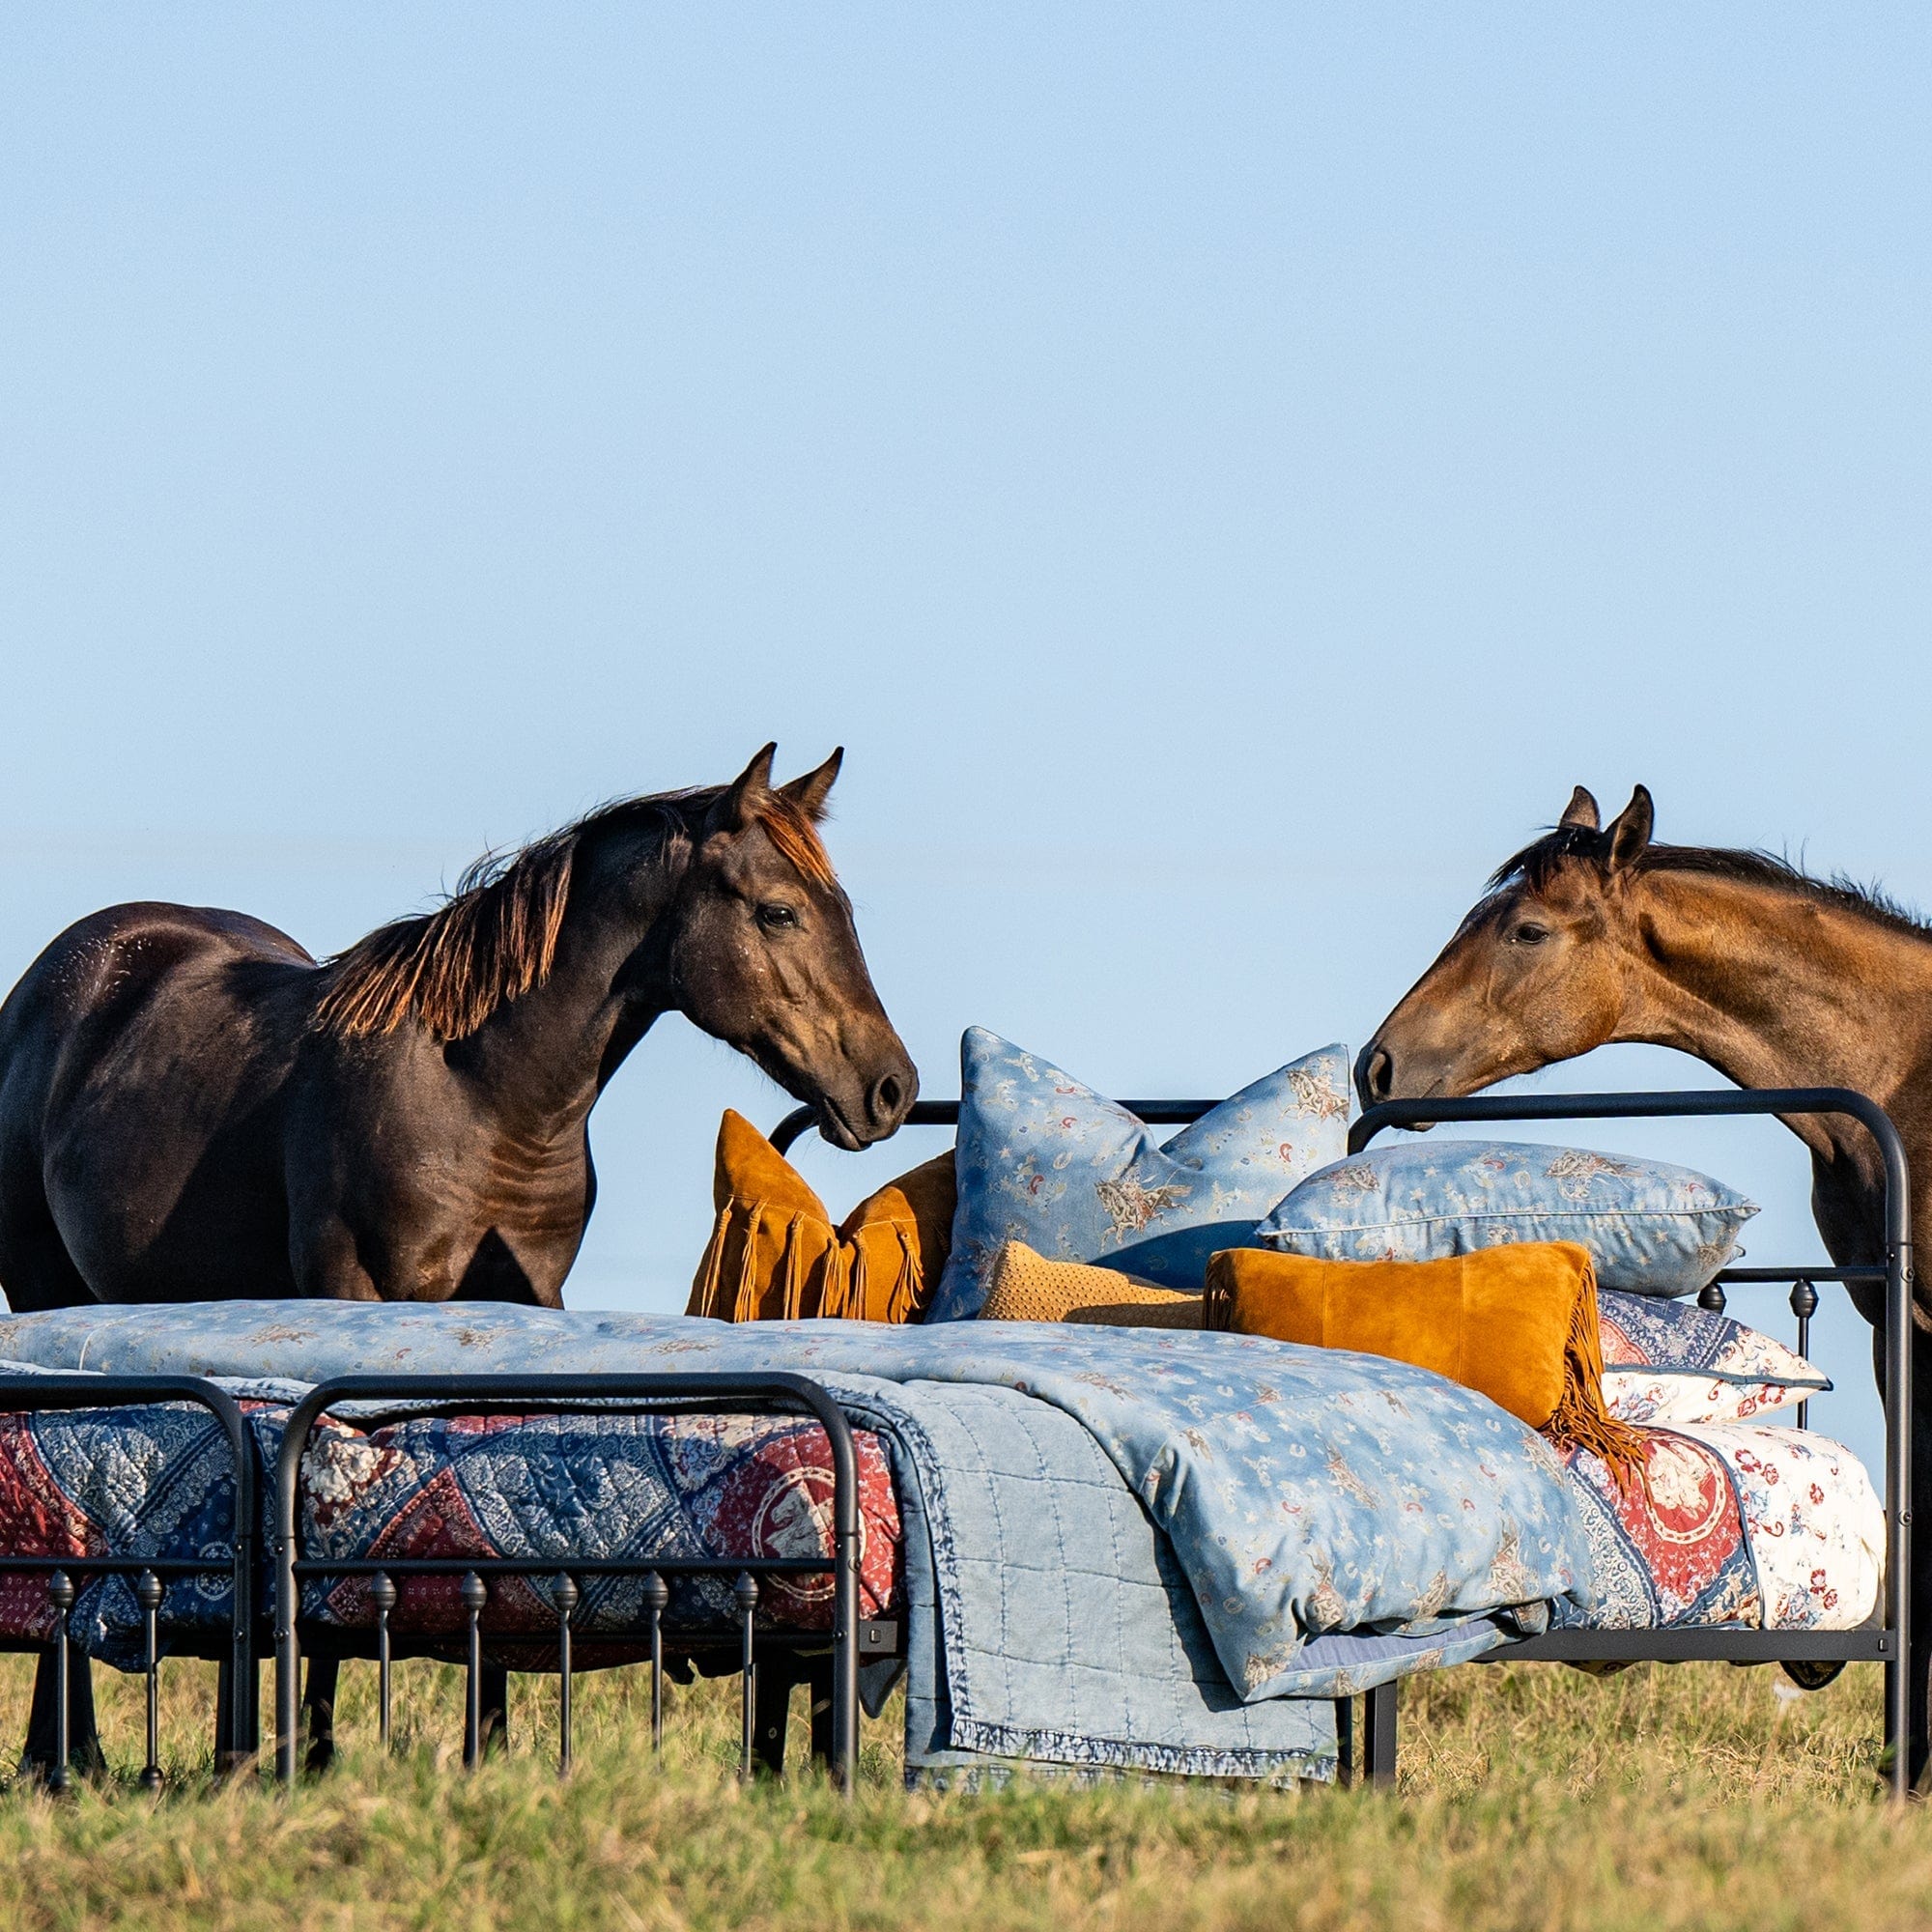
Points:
591	1486
1673	1362
1670	1551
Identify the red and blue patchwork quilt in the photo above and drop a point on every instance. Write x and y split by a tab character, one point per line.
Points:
155	1481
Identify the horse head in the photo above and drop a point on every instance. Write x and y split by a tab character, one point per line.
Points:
1537	971
762	953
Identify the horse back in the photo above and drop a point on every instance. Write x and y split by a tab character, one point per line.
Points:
142	1058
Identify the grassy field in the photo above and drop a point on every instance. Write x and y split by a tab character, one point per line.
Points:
1694	1796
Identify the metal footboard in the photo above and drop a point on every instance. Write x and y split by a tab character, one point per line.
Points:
236	1720
402	1394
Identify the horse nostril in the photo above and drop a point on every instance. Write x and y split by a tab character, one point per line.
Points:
1381	1075
886	1098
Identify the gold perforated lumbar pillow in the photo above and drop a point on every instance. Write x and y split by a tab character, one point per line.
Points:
1026	1286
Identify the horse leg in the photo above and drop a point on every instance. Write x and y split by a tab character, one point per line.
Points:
84	1754
771	1709
495	1697
319	1707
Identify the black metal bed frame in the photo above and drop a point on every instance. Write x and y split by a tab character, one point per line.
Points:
1887	1639
1883	1640
402	1394
237	1718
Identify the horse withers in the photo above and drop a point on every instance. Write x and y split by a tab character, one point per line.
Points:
1595	934
194	1108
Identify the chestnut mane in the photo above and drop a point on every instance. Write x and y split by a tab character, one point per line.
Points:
1535	863
494	937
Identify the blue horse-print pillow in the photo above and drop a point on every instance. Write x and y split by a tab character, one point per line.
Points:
1046	1160
1651	1228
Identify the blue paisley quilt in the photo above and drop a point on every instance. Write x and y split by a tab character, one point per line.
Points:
1304	1493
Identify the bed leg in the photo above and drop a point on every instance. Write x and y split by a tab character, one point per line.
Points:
238	1718
771	1710
1344	1742
1380	1730
820	1678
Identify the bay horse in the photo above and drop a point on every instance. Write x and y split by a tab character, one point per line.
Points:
1594	934
192	1108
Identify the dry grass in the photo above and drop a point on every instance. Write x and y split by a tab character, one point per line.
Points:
1531	1797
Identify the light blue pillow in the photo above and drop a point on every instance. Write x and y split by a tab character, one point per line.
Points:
1045	1160
1651	1228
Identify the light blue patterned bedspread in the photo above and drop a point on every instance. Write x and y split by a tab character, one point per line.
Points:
1335	1518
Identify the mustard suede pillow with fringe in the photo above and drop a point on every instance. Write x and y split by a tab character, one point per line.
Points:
1517	1323
774	1256
1026	1286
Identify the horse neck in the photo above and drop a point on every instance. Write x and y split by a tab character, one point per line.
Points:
1777	989
542	1057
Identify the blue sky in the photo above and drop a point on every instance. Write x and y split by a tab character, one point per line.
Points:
1224	473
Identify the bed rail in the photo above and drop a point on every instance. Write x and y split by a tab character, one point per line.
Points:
1888	1641
405	1395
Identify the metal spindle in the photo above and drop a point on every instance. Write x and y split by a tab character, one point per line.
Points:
564	1592
1804	1305
745	1591
475	1594
383	1594
61	1594
1712	1297
148	1593
656	1596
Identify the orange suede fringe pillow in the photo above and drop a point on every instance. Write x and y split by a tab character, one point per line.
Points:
1517	1323
774	1256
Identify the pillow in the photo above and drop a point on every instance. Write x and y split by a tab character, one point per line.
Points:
1517	1323
774	1256
1026	1286
1045	1160
1651	1228
1674	1362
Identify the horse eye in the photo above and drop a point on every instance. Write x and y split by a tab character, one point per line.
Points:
1529	933
774	916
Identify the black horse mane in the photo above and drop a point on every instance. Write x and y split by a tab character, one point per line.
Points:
1538	861
494	937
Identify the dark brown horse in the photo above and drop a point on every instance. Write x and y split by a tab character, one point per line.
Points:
191	1107
1596	934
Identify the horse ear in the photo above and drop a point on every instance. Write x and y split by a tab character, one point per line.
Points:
738	803
1580	812
1630	830
809	792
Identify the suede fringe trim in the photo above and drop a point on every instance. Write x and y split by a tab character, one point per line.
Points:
704	1291
847	1274
1581	1418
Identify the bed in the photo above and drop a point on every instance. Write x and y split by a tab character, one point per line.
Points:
947	1508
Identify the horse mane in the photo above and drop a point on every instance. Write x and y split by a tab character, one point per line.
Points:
1538	861
494	937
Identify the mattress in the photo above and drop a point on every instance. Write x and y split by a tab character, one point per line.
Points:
1738	1524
